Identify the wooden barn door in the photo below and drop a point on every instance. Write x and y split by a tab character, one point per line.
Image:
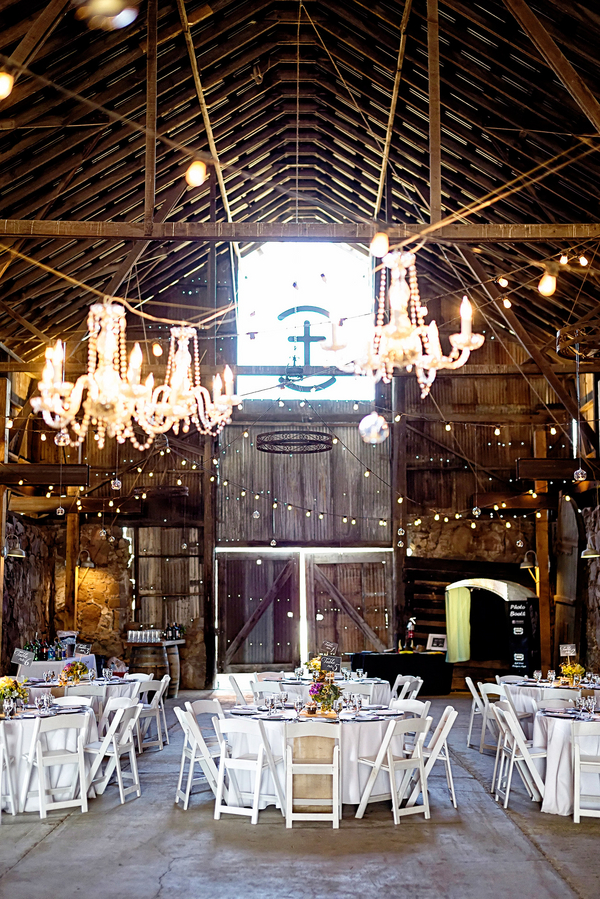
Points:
349	601
258	602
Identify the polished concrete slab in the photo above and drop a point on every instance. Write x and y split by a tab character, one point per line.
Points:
151	849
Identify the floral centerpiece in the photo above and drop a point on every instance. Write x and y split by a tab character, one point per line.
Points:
315	665
72	673
11	689
326	693
570	669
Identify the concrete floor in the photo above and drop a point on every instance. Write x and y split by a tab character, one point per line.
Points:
151	849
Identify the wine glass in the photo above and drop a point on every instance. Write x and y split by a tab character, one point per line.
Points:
48	699
270	703
92	675
537	675
9	706
576	680
298	705
107	673
551	675
360	672
283	696
39	702
48	675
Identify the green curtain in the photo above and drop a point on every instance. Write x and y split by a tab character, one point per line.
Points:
458	624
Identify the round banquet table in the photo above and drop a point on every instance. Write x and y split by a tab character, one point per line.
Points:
19	733
117	687
554	734
527	694
359	738
382	692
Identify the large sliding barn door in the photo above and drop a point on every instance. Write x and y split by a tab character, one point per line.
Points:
258	611
349	601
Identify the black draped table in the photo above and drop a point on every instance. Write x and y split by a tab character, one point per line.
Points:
431	666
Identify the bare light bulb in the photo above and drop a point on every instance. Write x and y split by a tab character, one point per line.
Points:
196	173
583	260
380	245
502	282
547	284
506	303
6	85
157	350
563	259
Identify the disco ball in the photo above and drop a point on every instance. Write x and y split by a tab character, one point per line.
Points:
115	484
373	428
580	475
476	511
256	514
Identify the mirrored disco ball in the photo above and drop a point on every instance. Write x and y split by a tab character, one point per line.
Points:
373	428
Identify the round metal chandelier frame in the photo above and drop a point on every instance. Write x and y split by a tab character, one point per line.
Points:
294	443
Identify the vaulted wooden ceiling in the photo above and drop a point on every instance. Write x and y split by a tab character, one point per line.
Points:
280	87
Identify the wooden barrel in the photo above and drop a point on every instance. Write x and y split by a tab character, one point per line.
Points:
174	670
149	658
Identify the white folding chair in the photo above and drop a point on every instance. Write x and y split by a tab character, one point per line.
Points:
294	765
138	675
515	753
385	760
113	704
558	693
363	689
210	707
255	763
241	699
585	763
509	679
153	711
116	743
416	708
476	708
195	751
489	722
541	704
87	690
437	748
260	689
405	685
7	788
42	758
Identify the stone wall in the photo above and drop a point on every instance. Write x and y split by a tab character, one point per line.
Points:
104	593
591	518
29	594
489	541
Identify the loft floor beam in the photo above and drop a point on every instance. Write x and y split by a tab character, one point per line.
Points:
264	232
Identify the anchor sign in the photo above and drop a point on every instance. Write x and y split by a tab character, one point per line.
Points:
306	339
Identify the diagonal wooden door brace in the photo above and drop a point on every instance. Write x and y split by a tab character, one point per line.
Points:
260	610
349	609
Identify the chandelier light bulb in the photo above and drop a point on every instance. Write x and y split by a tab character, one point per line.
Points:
6	85
196	173
380	245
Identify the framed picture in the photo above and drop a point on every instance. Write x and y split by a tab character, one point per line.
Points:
437	642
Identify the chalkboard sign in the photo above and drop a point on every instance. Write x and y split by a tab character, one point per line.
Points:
568	649
331	663
328	648
22	657
83	649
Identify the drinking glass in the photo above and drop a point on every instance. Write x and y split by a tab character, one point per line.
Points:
360	672
92	675
270	702
591	704
338	705
298	673
48	699
576	680
48	675
537	675
551	675
298	705
9	706
589	676
107	673
283	696
39	702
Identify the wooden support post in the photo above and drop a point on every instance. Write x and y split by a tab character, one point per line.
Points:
151	102
542	550
211	272
208	496
398	510
435	128
4	491
71	556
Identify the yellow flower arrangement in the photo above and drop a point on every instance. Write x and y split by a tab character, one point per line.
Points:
572	669
72	673
11	689
315	664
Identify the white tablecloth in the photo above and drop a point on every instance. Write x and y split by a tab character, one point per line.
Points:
19	732
122	688
36	669
382	692
524	698
359	738
554	734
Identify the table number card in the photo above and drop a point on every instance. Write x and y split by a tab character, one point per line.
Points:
329	648
331	663
83	649
22	657
568	649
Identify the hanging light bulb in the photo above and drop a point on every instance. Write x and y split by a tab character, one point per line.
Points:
553	431
583	260
448	426
196	173
157	350
380	245
497	432
506	303
60	511
6	84
502	281
547	284
563	259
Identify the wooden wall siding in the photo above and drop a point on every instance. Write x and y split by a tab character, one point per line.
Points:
275	638
169	581
367	586
332	482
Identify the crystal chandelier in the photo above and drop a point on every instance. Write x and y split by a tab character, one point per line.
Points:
405	341
110	397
